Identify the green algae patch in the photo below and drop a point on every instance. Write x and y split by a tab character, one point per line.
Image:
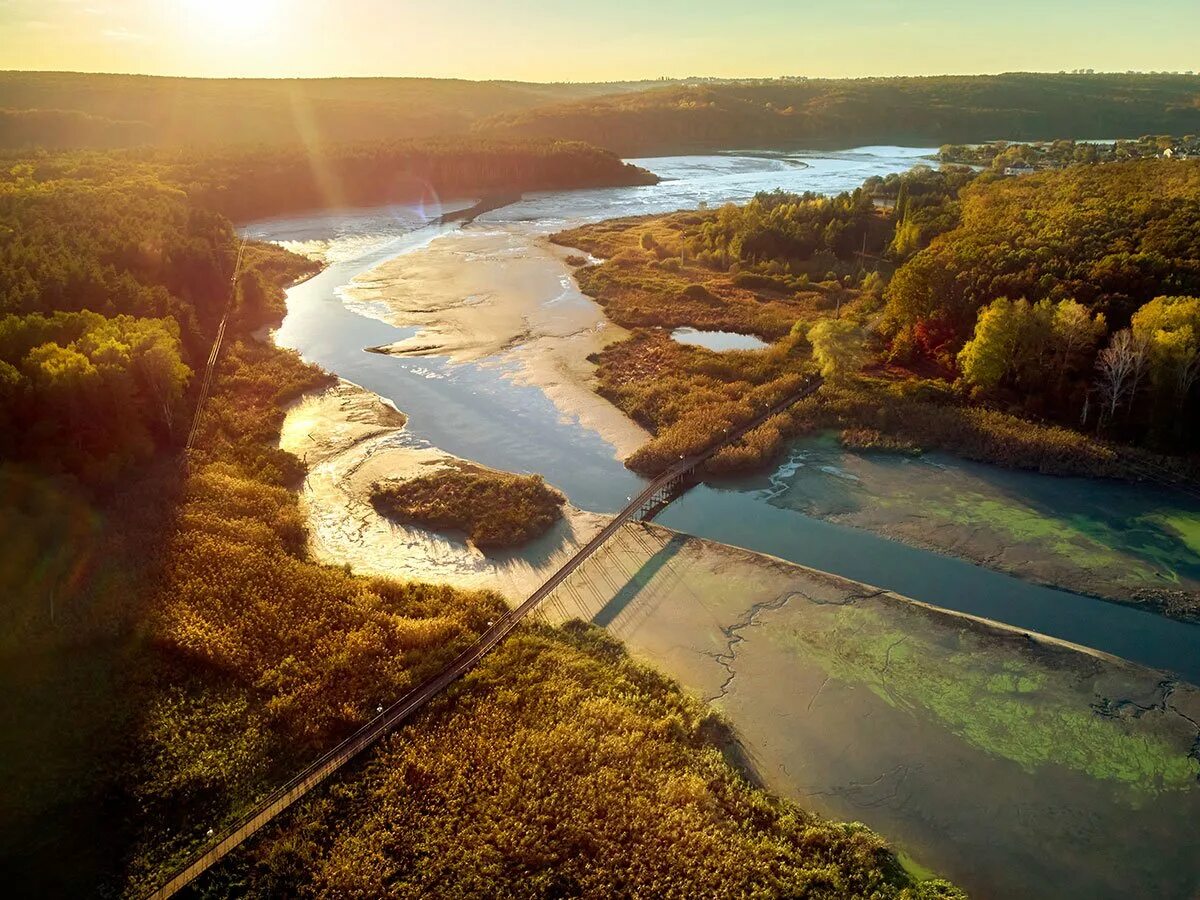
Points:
1185	526
1091	536
1086	542
1006	705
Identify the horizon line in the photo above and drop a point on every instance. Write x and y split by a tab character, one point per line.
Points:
662	79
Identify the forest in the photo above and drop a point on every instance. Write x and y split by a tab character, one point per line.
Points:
63	110
66	110
243	184
925	111
1071	276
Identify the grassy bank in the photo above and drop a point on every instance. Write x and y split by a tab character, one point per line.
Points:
561	767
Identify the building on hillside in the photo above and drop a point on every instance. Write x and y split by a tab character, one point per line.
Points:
1020	167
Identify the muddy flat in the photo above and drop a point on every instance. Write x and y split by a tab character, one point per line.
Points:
1009	762
1015	765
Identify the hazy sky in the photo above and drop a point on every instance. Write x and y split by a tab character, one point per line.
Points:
560	40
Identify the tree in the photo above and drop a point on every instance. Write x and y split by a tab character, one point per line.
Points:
838	347
1076	332
1119	366
987	358
1170	328
1011	341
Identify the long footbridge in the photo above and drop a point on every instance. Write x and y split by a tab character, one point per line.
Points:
657	494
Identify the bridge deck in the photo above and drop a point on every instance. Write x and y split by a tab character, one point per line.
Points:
653	496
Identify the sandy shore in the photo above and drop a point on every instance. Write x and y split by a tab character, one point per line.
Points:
494	293
1011	763
350	439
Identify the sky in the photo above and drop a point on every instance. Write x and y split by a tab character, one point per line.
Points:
562	40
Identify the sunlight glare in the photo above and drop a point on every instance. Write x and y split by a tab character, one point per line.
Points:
234	16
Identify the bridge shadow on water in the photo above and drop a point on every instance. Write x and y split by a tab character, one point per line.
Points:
623	584
638	582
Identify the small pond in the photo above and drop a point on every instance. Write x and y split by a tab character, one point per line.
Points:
719	340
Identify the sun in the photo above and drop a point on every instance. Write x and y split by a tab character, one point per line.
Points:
233	16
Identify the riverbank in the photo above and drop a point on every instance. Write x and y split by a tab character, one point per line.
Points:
1132	544
854	701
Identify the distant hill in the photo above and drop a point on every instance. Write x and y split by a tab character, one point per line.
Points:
62	110
916	111
61	129
72	110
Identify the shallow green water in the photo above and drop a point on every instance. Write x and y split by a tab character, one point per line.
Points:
1095	536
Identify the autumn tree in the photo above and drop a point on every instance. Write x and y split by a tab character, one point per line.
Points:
838	346
1169	327
1020	343
1076	332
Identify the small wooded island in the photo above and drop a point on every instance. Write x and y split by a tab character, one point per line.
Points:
494	509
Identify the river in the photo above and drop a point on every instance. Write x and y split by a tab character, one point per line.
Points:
479	411
1015	766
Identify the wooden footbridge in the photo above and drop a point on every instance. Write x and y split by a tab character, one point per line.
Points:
653	499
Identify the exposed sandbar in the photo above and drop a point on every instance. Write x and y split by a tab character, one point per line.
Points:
496	292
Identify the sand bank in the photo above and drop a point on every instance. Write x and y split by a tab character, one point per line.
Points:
497	293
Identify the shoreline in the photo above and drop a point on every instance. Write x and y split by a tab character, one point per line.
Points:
549	343
349	438
355	427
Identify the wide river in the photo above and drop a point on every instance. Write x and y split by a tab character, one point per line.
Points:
478	411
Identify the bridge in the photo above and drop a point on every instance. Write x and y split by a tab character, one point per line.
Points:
656	496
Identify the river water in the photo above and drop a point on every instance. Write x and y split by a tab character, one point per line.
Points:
476	410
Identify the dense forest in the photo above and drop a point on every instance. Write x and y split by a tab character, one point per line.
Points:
247	184
59	129
927	111
66	110
1050	280
73	110
244	186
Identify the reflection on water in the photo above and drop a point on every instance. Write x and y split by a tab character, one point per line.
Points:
718	340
